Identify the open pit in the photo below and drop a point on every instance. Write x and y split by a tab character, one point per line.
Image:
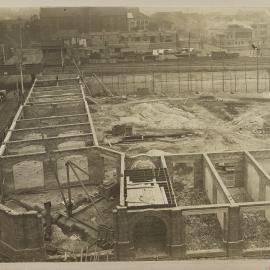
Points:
137	177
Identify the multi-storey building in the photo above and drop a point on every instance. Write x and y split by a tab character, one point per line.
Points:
233	37
55	21
260	33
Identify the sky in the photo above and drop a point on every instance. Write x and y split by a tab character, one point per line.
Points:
140	3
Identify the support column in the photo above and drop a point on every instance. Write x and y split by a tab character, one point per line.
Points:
239	173
7	173
177	246
234	237
122	243
96	168
118	174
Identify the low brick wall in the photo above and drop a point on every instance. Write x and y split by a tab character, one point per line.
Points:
21	235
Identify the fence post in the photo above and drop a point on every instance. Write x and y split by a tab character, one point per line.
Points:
179	83
258	75
179	78
188	81
126	85
153	81
269	79
212	77
166	82
235	81
223	78
118	84
133	81
246	77
201	80
145	83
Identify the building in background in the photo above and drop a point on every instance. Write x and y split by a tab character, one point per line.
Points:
233	37
56	21
108	45
260	34
137	20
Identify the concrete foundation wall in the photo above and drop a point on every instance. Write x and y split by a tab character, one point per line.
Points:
267	198
209	184
257	180
56	110
252	182
21	235
51	121
38	170
215	189
64	141
234	158
197	163
125	222
221	216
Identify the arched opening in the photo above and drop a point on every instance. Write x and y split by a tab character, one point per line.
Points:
150	237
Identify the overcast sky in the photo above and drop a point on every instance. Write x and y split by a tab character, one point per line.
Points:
141	3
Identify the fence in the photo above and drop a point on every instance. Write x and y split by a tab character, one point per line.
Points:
173	83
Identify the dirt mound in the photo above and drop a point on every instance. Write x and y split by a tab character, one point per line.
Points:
58	235
251	120
162	116
143	163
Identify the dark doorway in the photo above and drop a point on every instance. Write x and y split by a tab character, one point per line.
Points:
149	237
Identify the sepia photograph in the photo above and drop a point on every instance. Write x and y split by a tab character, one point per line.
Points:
135	132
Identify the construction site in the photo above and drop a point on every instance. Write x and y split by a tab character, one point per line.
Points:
133	161
91	174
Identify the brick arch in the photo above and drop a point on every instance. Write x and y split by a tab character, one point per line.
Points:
154	160
165	218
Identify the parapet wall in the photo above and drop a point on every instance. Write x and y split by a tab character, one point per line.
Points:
21	235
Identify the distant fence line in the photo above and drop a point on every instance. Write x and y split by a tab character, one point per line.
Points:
185	82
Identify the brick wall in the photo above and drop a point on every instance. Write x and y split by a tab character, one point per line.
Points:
21	235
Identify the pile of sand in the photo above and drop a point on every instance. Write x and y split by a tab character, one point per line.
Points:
161	115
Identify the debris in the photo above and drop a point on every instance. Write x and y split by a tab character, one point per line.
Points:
75	237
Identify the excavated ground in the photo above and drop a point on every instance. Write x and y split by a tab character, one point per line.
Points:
215	124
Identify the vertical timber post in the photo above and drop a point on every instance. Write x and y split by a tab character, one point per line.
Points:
246	77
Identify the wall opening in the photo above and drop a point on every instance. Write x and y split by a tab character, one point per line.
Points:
28	174
150	237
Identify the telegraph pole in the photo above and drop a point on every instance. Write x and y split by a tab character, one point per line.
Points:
4	55
189	43
257	60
